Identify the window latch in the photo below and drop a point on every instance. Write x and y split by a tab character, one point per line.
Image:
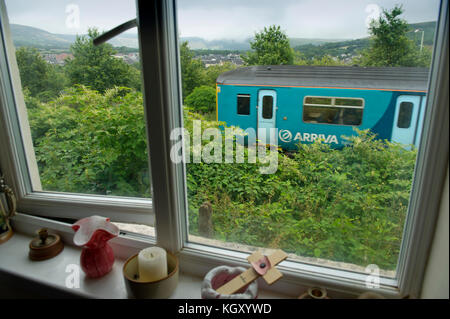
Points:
115	32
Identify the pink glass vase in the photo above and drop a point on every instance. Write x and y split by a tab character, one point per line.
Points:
92	233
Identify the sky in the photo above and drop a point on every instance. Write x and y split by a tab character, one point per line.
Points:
223	19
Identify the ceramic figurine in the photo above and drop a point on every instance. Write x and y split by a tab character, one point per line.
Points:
92	233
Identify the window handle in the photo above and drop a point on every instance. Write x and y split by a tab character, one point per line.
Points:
115	32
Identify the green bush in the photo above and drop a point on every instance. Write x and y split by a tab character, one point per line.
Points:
92	143
202	99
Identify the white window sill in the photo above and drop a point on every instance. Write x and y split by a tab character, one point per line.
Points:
41	276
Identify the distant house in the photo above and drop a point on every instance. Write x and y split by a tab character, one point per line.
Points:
61	58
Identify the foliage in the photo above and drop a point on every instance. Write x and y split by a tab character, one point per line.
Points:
327	60
211	73
390	45
335	49
87	142
38	77
270	47
344	205
96	67
202	99
191	70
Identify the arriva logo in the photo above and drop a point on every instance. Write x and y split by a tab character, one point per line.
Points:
286	137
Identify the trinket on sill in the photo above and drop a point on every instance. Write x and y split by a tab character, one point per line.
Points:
92	233
45	246
229	283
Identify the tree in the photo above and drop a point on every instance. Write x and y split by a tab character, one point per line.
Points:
212	73
40	79
202	99
389	44
191	70
270	47
327	60
96	67
88	142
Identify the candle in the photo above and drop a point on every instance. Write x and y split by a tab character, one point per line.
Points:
152	264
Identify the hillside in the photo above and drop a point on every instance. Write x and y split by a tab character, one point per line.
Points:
41	39
348	48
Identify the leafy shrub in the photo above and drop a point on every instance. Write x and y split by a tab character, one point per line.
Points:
87	142
202	99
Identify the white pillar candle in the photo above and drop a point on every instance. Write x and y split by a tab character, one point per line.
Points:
152	264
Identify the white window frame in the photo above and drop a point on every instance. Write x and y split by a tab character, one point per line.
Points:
19	162
162	99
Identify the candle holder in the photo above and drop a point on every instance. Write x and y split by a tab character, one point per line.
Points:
158	289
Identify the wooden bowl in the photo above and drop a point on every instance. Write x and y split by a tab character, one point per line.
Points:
159	289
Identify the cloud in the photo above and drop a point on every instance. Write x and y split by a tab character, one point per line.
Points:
230	19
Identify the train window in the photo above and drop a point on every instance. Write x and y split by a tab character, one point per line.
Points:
267	111
243	104
340	111
405	115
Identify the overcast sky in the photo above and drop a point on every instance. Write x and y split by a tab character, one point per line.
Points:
219	19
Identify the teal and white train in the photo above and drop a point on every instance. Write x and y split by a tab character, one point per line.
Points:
305	103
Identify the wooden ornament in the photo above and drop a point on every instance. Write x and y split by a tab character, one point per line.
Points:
45	246
262	266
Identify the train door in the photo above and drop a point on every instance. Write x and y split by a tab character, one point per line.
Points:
267	106
406	117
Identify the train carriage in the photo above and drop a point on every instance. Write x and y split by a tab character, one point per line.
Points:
306	103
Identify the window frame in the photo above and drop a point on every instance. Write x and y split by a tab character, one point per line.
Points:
20	165
157	22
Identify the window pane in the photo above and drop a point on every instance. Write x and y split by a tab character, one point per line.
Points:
243	104
318	100
349	102
405	115
338	197
267	111
352	117
332	115
84	103
328	115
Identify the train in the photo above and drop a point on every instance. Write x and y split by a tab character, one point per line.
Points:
293	104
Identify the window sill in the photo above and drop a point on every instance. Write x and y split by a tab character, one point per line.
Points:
48	278
195	261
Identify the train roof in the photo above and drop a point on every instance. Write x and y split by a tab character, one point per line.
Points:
386	78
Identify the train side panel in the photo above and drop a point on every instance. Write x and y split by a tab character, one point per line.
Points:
378	112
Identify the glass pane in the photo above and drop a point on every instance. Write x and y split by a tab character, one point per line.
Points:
349	102
329	115
84	103
318	100
405	115
352	117
267	111
336	196
243	104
